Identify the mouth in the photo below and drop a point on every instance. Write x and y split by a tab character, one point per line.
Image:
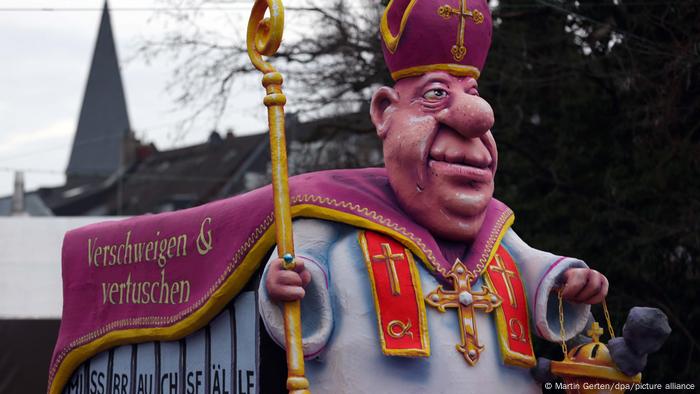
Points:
469	173
449	155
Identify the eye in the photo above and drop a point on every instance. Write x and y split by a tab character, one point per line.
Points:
435	94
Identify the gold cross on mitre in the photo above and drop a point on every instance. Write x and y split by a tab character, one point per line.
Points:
466	301
447	11
389	258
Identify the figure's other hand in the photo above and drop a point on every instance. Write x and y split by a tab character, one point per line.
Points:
286	285
584	286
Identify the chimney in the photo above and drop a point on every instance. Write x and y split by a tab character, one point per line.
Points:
18	196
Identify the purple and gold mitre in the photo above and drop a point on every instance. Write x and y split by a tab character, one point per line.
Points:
419	36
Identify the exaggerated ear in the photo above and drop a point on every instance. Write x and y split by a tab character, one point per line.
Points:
381	108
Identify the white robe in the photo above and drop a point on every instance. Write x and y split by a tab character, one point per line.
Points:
341	340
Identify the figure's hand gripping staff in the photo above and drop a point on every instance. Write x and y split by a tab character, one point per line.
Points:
264	38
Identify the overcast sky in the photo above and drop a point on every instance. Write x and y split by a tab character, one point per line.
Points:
46	51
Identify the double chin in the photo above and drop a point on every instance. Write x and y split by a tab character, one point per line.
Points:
451	224
463	209
460	228
450	212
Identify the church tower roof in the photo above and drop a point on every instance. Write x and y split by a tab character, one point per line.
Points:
103	126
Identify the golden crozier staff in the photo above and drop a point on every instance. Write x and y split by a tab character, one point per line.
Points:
264	38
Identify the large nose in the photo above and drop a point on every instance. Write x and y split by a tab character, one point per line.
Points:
469	115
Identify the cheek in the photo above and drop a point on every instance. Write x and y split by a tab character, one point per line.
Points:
401	155
419	120
414	135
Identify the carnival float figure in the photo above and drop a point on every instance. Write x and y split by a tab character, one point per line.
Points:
462	316
404	279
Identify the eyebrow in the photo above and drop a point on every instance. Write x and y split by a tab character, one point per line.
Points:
445	80
435	78
429	80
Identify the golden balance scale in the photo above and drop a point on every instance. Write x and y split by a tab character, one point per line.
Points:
588	368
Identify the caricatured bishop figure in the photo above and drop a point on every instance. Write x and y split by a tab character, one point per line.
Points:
411	278
437	293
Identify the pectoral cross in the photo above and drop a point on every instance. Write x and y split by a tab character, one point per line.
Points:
507	274
466	301
389	259
447	11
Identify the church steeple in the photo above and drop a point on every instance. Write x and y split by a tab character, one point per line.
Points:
103	127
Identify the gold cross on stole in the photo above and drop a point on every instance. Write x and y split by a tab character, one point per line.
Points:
465	300
507	274
447	11
389	259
